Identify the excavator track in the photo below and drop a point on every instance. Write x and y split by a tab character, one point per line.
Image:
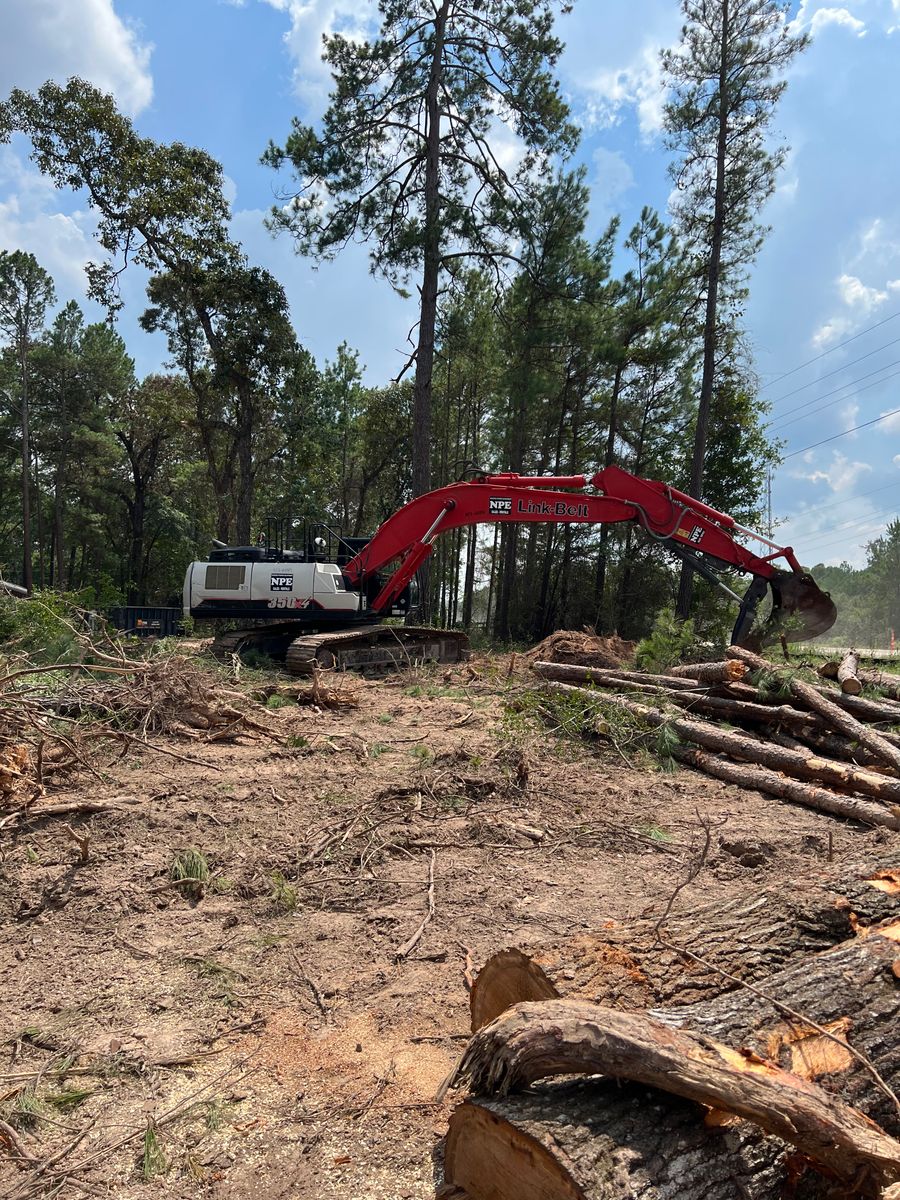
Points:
375	650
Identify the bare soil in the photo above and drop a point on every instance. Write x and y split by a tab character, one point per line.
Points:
264	1038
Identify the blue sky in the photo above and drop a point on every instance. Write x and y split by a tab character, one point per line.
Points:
823	317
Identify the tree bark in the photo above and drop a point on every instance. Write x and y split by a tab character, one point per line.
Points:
749	775
542	1039
622	1141
27	572
749	937
730	671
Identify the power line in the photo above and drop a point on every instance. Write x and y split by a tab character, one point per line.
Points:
825	353
850	525
835	503
836	436
836	371
852	385
871	533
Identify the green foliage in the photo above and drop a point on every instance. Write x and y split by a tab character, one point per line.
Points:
283	894
190	871
43	627
669	641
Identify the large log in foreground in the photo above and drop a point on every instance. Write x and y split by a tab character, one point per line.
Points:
636	965
615	1141
547	1038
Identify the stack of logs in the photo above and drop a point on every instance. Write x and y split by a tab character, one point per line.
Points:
768	1067
814	743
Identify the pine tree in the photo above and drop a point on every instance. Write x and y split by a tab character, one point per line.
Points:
727	78
405	158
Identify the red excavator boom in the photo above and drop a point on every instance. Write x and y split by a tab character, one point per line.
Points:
688	527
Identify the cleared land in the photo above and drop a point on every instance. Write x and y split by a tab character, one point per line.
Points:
261	1033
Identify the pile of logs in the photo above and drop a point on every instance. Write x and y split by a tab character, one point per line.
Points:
805	740
775	1076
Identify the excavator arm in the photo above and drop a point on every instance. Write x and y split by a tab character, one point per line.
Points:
688	527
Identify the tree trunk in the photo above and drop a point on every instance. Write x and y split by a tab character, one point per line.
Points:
749	775
619	1140
749	937
710	325
27	573
750	749
246	472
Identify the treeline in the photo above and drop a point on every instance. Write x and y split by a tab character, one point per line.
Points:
570	366
538	349
867	598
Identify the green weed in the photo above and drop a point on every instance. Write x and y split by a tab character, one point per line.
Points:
65	1100
283	894
667	644
190	870
423	754
276	701
153	1161
385	719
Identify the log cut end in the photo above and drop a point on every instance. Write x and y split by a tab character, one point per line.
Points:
507	978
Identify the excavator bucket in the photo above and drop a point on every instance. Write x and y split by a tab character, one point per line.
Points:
800	610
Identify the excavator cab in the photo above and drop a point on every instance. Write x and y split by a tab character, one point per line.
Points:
800	610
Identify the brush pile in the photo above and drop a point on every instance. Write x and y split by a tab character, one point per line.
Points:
584	647
748	723
59	718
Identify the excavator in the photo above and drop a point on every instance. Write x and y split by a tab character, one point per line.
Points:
323	603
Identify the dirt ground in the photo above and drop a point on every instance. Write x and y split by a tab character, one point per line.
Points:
268	1038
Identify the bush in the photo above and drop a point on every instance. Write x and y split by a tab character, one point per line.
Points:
669	641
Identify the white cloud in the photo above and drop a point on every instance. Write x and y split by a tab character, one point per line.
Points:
849	415
841	475
637	84
311	20
53	39
611	178
896	460
836	16
856	294
30	219
891	424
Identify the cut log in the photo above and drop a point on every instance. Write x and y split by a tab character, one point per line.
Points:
750	750
888	684
747	938
572	673
611	1141
829	744
732	670
847	674
866	710
845	723
749	775
542	1039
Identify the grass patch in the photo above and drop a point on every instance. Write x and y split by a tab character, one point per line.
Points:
385	719
422	753
153	1161
190	871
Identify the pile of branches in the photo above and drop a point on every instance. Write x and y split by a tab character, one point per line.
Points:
66	716
787	732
